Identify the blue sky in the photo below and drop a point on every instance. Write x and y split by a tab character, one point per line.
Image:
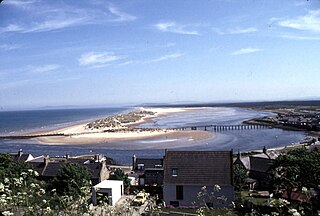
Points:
55	53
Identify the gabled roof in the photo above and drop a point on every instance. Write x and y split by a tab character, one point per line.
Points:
38	166
243	161
198	167
260	164
21	156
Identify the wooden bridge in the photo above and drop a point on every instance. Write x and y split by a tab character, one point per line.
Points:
223	127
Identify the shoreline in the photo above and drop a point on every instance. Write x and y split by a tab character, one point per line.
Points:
82	134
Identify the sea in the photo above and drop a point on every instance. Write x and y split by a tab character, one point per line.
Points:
19	122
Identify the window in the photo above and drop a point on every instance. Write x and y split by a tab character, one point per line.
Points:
179	192
174	172
140	166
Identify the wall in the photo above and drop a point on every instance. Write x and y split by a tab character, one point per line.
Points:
190	194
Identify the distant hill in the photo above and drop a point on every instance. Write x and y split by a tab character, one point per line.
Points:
264	104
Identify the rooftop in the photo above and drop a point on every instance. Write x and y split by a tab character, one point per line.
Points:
198	167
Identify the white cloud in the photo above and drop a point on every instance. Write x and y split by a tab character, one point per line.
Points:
11	28
246	51
43	68
97	59
295	37
8	47
121	16
49	25
235	31
126	63
175	28
55	16
166	57
20	4
308	22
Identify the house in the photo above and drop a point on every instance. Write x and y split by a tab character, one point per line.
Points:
20	156
49	168
260	167
186	172
112	190
244	163
148	171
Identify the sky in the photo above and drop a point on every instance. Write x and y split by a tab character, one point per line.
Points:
92	53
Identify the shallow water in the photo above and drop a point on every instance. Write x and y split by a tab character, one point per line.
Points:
242	140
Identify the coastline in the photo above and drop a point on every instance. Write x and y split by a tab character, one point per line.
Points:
81	134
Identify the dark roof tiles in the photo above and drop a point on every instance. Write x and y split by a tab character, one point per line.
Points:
198	167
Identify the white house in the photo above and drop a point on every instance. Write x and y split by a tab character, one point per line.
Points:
113	189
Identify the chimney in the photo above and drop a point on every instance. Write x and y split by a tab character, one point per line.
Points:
20	153
239	155
134	161
96	158
46	159
264	150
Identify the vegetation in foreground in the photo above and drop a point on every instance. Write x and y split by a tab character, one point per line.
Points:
297	172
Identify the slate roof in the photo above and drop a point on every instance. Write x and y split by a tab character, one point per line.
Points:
198	167
260	164
148	162
21	157
94	169
245	161
52	169
38	166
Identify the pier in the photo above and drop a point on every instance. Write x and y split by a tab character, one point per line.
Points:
224	127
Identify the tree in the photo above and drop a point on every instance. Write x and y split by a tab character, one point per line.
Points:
71	180
240	175
296	169
118	174
10	168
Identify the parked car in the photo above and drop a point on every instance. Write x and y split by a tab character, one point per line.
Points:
140	198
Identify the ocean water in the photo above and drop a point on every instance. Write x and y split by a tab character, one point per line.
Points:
19	122
243	140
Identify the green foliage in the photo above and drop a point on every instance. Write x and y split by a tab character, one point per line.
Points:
298	168
240	175
10	168
22	194
207	199
118	174
71	180
20	190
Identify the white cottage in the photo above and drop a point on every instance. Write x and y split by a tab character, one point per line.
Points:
113	189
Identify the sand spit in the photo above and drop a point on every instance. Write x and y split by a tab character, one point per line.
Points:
121	128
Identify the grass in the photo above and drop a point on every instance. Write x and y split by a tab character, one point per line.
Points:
194	211
254	198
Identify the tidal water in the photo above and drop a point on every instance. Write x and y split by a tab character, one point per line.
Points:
243	140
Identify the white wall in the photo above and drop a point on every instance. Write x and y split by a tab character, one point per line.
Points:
114	188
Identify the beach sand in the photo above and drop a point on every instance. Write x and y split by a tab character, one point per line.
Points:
79	134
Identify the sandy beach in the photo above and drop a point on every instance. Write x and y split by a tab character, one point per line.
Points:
81	134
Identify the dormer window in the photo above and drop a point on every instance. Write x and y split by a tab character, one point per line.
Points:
174	172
